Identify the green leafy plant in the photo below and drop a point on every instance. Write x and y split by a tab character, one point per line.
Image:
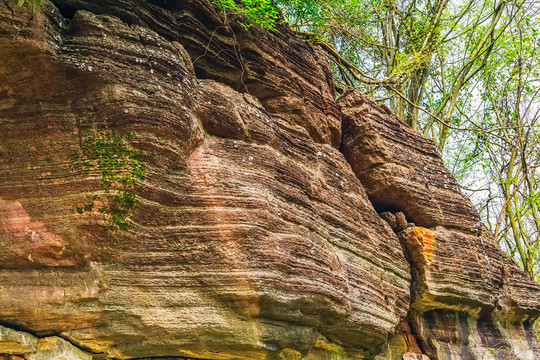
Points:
35	4
121	175
261	12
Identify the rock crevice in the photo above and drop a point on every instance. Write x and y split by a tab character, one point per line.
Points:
459	277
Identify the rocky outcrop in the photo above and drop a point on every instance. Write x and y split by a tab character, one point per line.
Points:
256	233
20	345
251	236
465	291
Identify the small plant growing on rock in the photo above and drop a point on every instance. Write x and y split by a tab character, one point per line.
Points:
35	4
121	175
261	12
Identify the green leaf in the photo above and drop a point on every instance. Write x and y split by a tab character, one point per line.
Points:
122	173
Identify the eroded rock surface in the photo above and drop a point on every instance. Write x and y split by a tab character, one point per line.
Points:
253	236
467	295
288	76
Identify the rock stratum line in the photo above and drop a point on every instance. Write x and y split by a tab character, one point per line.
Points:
273	223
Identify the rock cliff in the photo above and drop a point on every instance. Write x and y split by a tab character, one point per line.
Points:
273	221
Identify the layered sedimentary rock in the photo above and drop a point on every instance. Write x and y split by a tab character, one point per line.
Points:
251	237
256	233
467	295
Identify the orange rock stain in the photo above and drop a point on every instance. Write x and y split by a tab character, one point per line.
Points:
426	238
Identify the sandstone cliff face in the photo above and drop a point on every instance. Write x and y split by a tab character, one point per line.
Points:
466	294
256	234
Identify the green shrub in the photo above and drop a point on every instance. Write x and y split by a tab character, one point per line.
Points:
261	12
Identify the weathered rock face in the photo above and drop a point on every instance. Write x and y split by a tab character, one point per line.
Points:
467	295
253	236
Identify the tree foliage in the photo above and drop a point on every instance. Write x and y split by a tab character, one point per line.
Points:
261	12
504	156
